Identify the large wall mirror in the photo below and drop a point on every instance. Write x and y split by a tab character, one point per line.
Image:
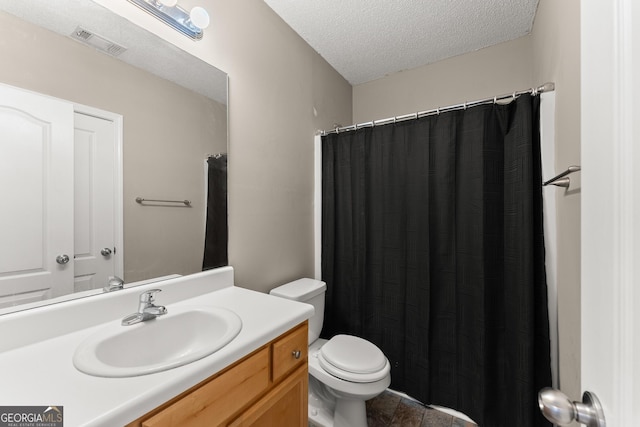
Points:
168	115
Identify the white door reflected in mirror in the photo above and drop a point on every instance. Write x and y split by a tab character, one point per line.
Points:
97	211
36	151
65	210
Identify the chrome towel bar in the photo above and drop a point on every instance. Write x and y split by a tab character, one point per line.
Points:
182	202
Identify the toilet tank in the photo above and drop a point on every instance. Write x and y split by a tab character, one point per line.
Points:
309	291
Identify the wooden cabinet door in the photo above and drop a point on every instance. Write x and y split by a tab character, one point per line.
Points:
285	405
213	403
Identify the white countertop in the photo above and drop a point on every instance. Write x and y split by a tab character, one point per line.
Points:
42	373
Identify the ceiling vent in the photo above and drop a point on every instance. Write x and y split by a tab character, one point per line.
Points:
87	37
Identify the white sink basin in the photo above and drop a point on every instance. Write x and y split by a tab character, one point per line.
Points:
182	336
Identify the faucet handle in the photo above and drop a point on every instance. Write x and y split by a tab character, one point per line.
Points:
114	283
149	296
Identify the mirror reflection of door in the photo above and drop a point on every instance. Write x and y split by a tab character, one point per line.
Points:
36	218
95	194
39	242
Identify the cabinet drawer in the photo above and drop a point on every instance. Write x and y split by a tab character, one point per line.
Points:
289	351
217	400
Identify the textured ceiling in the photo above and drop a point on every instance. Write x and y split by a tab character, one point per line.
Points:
144	49
368	39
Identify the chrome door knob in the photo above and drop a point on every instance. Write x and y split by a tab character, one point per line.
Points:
62	259
557	408
105	252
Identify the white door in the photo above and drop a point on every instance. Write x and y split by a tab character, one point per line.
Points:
610	291
36	197
96	180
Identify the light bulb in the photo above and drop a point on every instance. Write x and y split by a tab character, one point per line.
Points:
169	3
199	17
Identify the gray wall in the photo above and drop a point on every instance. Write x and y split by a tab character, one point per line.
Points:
484	73
550	53
276	82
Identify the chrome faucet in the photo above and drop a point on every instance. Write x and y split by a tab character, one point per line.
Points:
147	310
114	283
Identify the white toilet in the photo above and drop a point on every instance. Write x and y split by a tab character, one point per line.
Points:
344	372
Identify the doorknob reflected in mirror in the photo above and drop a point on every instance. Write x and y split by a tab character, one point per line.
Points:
557	408
105	252
62	259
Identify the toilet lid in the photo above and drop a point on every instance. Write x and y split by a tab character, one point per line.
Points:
353	359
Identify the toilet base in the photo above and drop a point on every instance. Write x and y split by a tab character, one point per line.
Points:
326	409
350	413
347	413
321	404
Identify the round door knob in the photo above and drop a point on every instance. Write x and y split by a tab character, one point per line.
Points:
559	409
556	406
105	252
296	354
62	259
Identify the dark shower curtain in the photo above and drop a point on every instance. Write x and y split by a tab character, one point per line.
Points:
216	237
432	248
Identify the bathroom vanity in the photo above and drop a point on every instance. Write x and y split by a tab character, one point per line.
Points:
268	387
260	376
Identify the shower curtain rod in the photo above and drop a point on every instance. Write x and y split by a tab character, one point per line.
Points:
547	87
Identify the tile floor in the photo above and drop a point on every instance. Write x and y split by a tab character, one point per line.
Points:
392	410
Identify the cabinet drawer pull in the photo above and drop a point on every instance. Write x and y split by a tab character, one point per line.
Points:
296	354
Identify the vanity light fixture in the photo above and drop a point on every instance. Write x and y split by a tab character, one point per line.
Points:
191	24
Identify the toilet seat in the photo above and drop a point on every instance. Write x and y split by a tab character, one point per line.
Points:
353	359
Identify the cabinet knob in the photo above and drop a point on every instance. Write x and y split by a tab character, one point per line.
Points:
296	354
